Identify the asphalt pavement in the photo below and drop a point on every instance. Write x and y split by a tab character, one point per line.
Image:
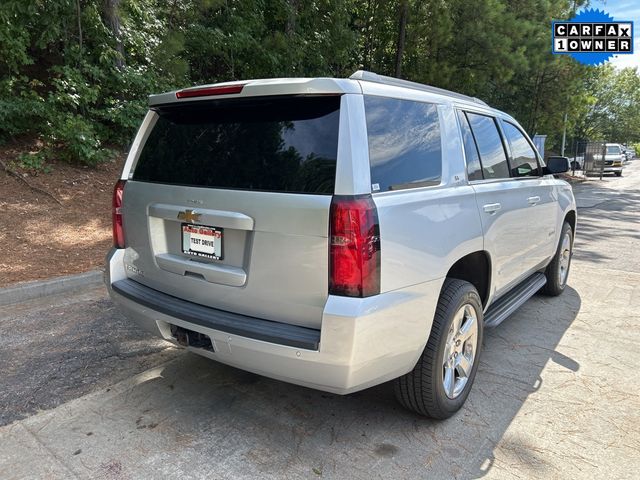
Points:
84	394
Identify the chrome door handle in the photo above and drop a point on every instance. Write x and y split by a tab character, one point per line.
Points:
533	200
492	207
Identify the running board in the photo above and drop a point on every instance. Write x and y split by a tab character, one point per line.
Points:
499	311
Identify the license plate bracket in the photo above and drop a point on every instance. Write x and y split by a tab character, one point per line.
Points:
202	241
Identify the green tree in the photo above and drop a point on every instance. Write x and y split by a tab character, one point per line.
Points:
77	73
612	100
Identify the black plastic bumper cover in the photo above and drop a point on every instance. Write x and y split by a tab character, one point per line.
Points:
242	325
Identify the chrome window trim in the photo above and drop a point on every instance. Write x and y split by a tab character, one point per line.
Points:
495	180
423	188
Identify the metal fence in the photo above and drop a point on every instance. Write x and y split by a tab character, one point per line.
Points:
588	158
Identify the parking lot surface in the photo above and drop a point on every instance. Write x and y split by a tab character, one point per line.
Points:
83	394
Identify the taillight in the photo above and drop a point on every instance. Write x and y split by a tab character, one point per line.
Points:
118	231
208	91
354	247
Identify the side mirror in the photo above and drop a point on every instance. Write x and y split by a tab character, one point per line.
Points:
557	165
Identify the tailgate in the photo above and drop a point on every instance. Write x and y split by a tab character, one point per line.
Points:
228	206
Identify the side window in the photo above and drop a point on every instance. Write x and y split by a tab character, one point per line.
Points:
492	155
474	168
524	162
404	143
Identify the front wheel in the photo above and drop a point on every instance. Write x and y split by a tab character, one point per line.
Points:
618	174
441	380
558	270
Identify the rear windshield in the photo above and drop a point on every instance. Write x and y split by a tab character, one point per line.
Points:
280	144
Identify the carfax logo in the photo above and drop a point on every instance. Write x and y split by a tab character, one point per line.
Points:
592	37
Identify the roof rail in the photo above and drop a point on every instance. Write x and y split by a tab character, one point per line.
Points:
374	77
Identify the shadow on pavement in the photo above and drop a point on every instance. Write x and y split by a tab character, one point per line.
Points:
250	425
609	215
52	352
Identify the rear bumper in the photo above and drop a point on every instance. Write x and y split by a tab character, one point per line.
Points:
610	168
361	343
211	318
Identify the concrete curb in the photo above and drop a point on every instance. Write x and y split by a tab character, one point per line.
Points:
42	288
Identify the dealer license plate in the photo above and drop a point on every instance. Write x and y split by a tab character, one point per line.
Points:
202	241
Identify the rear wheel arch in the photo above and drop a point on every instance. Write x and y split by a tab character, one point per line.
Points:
557	271
440	382
572	219
474	268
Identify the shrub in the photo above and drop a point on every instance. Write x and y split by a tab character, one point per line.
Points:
20	106
34	163
73	139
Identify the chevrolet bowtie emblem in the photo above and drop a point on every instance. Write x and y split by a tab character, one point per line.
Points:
189	216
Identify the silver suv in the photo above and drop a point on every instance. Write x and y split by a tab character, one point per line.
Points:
336	233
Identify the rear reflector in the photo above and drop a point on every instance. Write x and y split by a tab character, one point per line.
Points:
354	247
208	91
118	231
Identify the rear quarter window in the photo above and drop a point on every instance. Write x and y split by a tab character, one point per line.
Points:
276	144
404	143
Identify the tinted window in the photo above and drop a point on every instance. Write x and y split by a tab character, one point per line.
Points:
494	160
285	144
523	158
404	143
474	169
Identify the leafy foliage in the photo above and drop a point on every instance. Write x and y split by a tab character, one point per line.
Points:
70	78
612	99
33	162
75	140
77	73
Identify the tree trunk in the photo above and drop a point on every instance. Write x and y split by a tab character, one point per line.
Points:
79	15
368	41
113	22
291	27
402	30
292	18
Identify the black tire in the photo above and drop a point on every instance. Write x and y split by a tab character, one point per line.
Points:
618	174
554	286
421	390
